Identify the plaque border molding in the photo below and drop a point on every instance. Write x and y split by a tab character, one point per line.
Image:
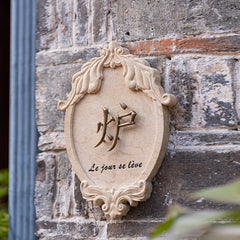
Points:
138	75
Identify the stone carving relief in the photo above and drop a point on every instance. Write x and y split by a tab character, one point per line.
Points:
116	129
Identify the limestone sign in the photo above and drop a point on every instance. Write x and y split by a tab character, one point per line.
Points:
116	129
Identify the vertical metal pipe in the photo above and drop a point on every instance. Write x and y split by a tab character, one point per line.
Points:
23	134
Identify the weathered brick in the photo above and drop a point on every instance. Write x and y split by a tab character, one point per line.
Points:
59	57
81	205
99	11
68	198
176	37
184	87
51	141
236	85
60	238
95	212
205	138
46	27
130	229
45	185
185	45
203	87
162	18
65	22
209	44
152	47
134	238
52	85
201	84
157	62
64	187
81	22
217	98
64	229
184	171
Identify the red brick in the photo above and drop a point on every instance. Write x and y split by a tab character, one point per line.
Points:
211	44
185	45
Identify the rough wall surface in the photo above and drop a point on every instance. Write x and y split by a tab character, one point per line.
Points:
196	47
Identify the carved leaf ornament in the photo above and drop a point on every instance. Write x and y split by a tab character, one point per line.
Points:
120	178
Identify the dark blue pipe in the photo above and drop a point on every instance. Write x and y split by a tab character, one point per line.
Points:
23	133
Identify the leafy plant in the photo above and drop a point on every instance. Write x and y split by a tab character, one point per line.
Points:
3	224
3	183
3	204
183	223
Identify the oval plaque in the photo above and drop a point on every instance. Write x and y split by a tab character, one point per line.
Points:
116	129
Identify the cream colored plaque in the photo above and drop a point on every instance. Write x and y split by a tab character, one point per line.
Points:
116	129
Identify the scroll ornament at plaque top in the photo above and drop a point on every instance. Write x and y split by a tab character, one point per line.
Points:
116	129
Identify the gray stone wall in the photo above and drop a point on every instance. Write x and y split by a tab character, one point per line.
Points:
196	47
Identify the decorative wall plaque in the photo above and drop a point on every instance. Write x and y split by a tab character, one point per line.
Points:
116	129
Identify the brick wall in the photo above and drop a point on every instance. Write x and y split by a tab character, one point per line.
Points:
196	47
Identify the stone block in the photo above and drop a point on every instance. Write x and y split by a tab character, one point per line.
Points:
236	85
46	27
217	96
81	205
68	198
51	141
100	12
66	230
205	138
81	22
60	238
52	85
131	230
132	238
45	185
65	22
184	171
134	20
203	86
203	145
64	187
58	57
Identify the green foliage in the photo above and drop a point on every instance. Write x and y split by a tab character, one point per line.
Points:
3	183
3	224
3	204
174	213
205	224
228	193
